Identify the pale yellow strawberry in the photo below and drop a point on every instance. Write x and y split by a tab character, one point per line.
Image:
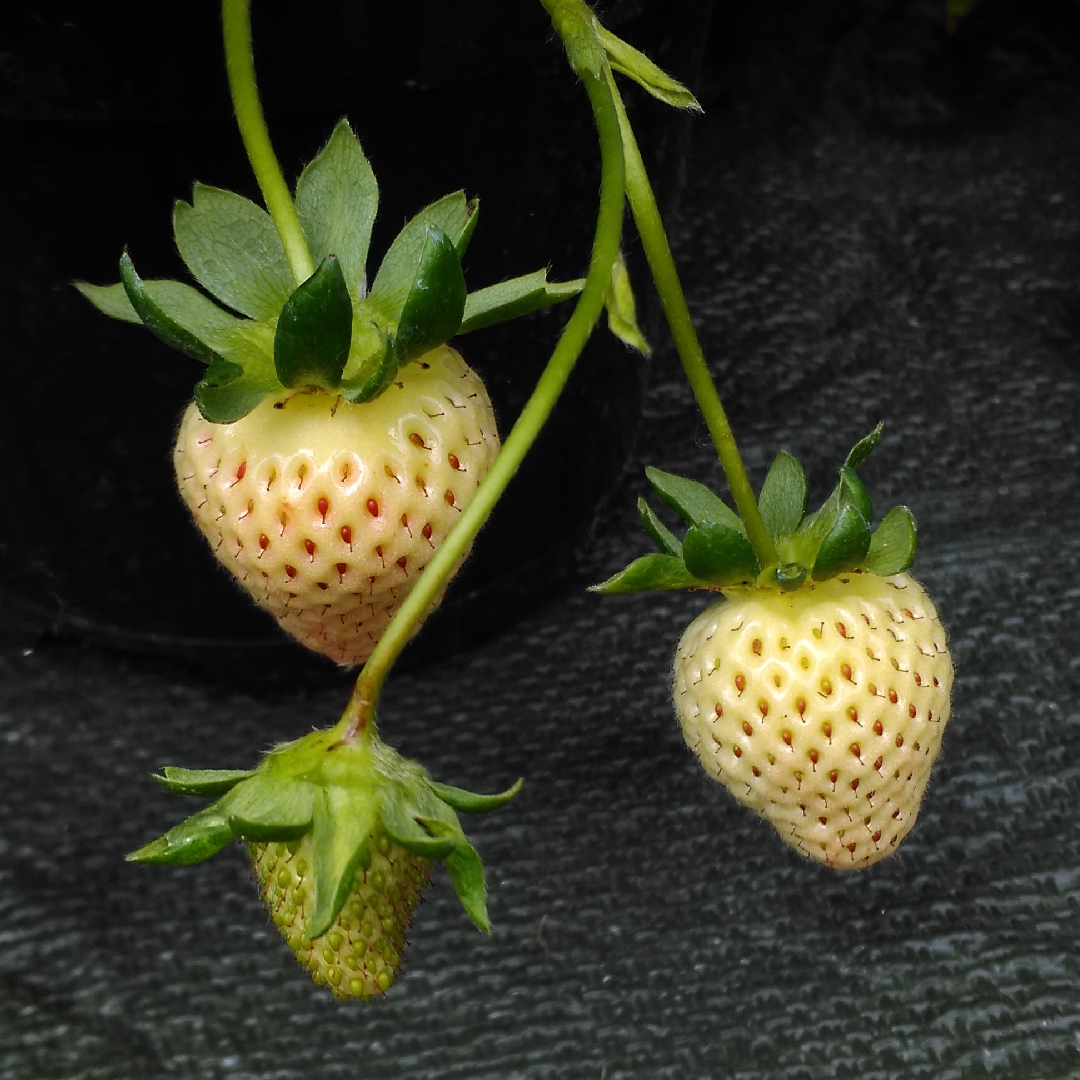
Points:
821	708
358	957
326	511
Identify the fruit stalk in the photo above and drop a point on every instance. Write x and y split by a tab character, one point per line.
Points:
605	250
240	66
673	302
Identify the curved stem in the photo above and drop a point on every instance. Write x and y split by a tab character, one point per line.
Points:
658	254
240	65
360	712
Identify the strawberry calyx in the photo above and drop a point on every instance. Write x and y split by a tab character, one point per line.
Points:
715	552
339	797
329	332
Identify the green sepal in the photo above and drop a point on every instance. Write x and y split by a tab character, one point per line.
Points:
845	545
403	828
627	60
337	198
233	250
268	807
436	301
864	447
156	320
375	378
466	872
342	822
204	782
893	543
622	309
192	841
455	216
693	502
314	331
856	493
782	501
110	300
650	573
514	298
227	392
719	555
662	536
470	802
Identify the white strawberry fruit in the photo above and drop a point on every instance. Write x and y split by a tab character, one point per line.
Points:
817	691
334	437
327	510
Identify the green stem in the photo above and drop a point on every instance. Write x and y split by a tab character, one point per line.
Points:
658	254
240	65
360	712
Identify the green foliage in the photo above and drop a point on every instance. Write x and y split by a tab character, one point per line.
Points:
715	553
314	330
341	793
326	332
626	60
337	198
622	310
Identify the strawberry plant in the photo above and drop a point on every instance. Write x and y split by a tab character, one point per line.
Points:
340	457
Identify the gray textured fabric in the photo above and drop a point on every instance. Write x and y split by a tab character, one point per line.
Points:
647	927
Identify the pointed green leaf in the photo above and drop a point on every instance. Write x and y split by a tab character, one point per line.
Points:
853	490
200	836
694	502
155	319
436	301
864	447
232	249
227	392
207	782
514	298
342	822
403	828
466	872
626	60
648	574
470	802
266	807
375	377
314	331
893	544
845	545
337	198
664	539
719	555
622	309
110	300
783	495
454	216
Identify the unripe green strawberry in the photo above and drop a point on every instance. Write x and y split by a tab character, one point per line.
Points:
358	957
327	510
822	708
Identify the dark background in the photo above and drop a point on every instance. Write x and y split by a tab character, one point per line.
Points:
876	218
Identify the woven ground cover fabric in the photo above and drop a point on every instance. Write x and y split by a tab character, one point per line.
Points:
843	268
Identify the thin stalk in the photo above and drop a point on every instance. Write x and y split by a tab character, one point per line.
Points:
360	712
240	65
658	254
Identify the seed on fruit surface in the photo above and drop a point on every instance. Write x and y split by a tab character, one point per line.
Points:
853	714
455	464
740	683
719	709
756	771
264	541
449	497
841	629
826	730
800	704
291	571
309	547
826	687
856	750
417	439
323	506
346	535
736	751
834	775
756	646
893	696
786	736
878	727
372	507
747	729
878	764
813	757
763	707
911	710
426	532
899	740
845	671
